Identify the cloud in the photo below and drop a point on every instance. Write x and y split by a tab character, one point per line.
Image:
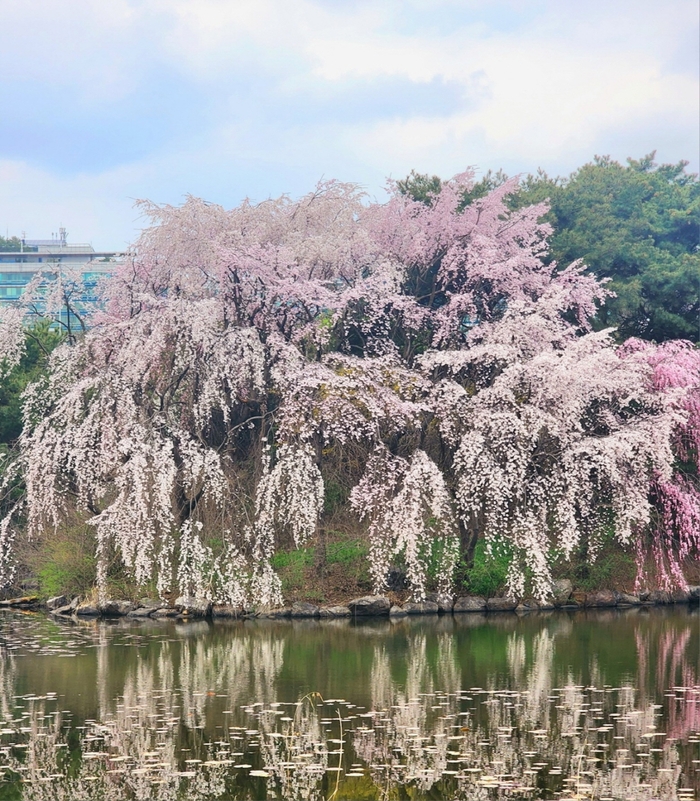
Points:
228	98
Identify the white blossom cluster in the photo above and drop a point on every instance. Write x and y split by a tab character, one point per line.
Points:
240	352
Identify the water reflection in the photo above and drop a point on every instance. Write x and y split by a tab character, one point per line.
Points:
602	706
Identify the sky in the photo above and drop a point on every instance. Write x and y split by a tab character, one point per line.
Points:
104	103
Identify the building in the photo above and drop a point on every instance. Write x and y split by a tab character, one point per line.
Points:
52	257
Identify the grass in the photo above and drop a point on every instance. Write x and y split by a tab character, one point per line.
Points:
346	561
486	576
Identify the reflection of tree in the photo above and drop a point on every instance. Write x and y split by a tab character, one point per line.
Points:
7	683
116	761
676	670
537	727
296	754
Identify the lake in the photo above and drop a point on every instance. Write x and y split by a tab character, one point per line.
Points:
587	704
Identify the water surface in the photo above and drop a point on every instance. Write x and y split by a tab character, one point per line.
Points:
602	705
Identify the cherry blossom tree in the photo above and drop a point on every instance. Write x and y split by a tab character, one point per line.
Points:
238	351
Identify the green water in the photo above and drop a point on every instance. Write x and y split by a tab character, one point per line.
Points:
550	705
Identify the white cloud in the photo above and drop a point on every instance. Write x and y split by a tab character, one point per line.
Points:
542	82
94	208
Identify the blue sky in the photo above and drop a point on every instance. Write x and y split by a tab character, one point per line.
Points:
107	102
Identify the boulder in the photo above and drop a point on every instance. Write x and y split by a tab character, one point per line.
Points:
25	602
192	607
469	603
527	605
397	611
659	597
57	602
225	610
680	597
275	614
304	609
561	591
694	592
116	608
420	608
170	611
141	611
370	605
334	611
601	598
150	603
444	602
87	610
501	604
627	599
62	610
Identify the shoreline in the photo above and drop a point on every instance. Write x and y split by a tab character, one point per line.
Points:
368	606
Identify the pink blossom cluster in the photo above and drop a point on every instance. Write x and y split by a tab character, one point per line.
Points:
431	338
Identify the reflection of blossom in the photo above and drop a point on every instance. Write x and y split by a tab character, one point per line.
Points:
202	711
296	756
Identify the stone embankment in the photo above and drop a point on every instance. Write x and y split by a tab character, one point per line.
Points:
563	597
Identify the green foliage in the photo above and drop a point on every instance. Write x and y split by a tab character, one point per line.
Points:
487	574
490	181
41	339
346	552
335	495
296	567
420	186
11	243
638	225
611	568
65	562
293	561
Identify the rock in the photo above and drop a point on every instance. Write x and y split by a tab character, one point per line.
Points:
225	610
659	597
469	603
116	608
141	611
644	595
87	610
192	607
527	605
62	610
601	598
275	614
334	611
66	610
370	605
577	598
420	608
444	602
694	592
57	602
397	611
21	603
170	611
150	603
680	597
501	604
561	591
626	599
304	609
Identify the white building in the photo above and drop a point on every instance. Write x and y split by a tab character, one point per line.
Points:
51	256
